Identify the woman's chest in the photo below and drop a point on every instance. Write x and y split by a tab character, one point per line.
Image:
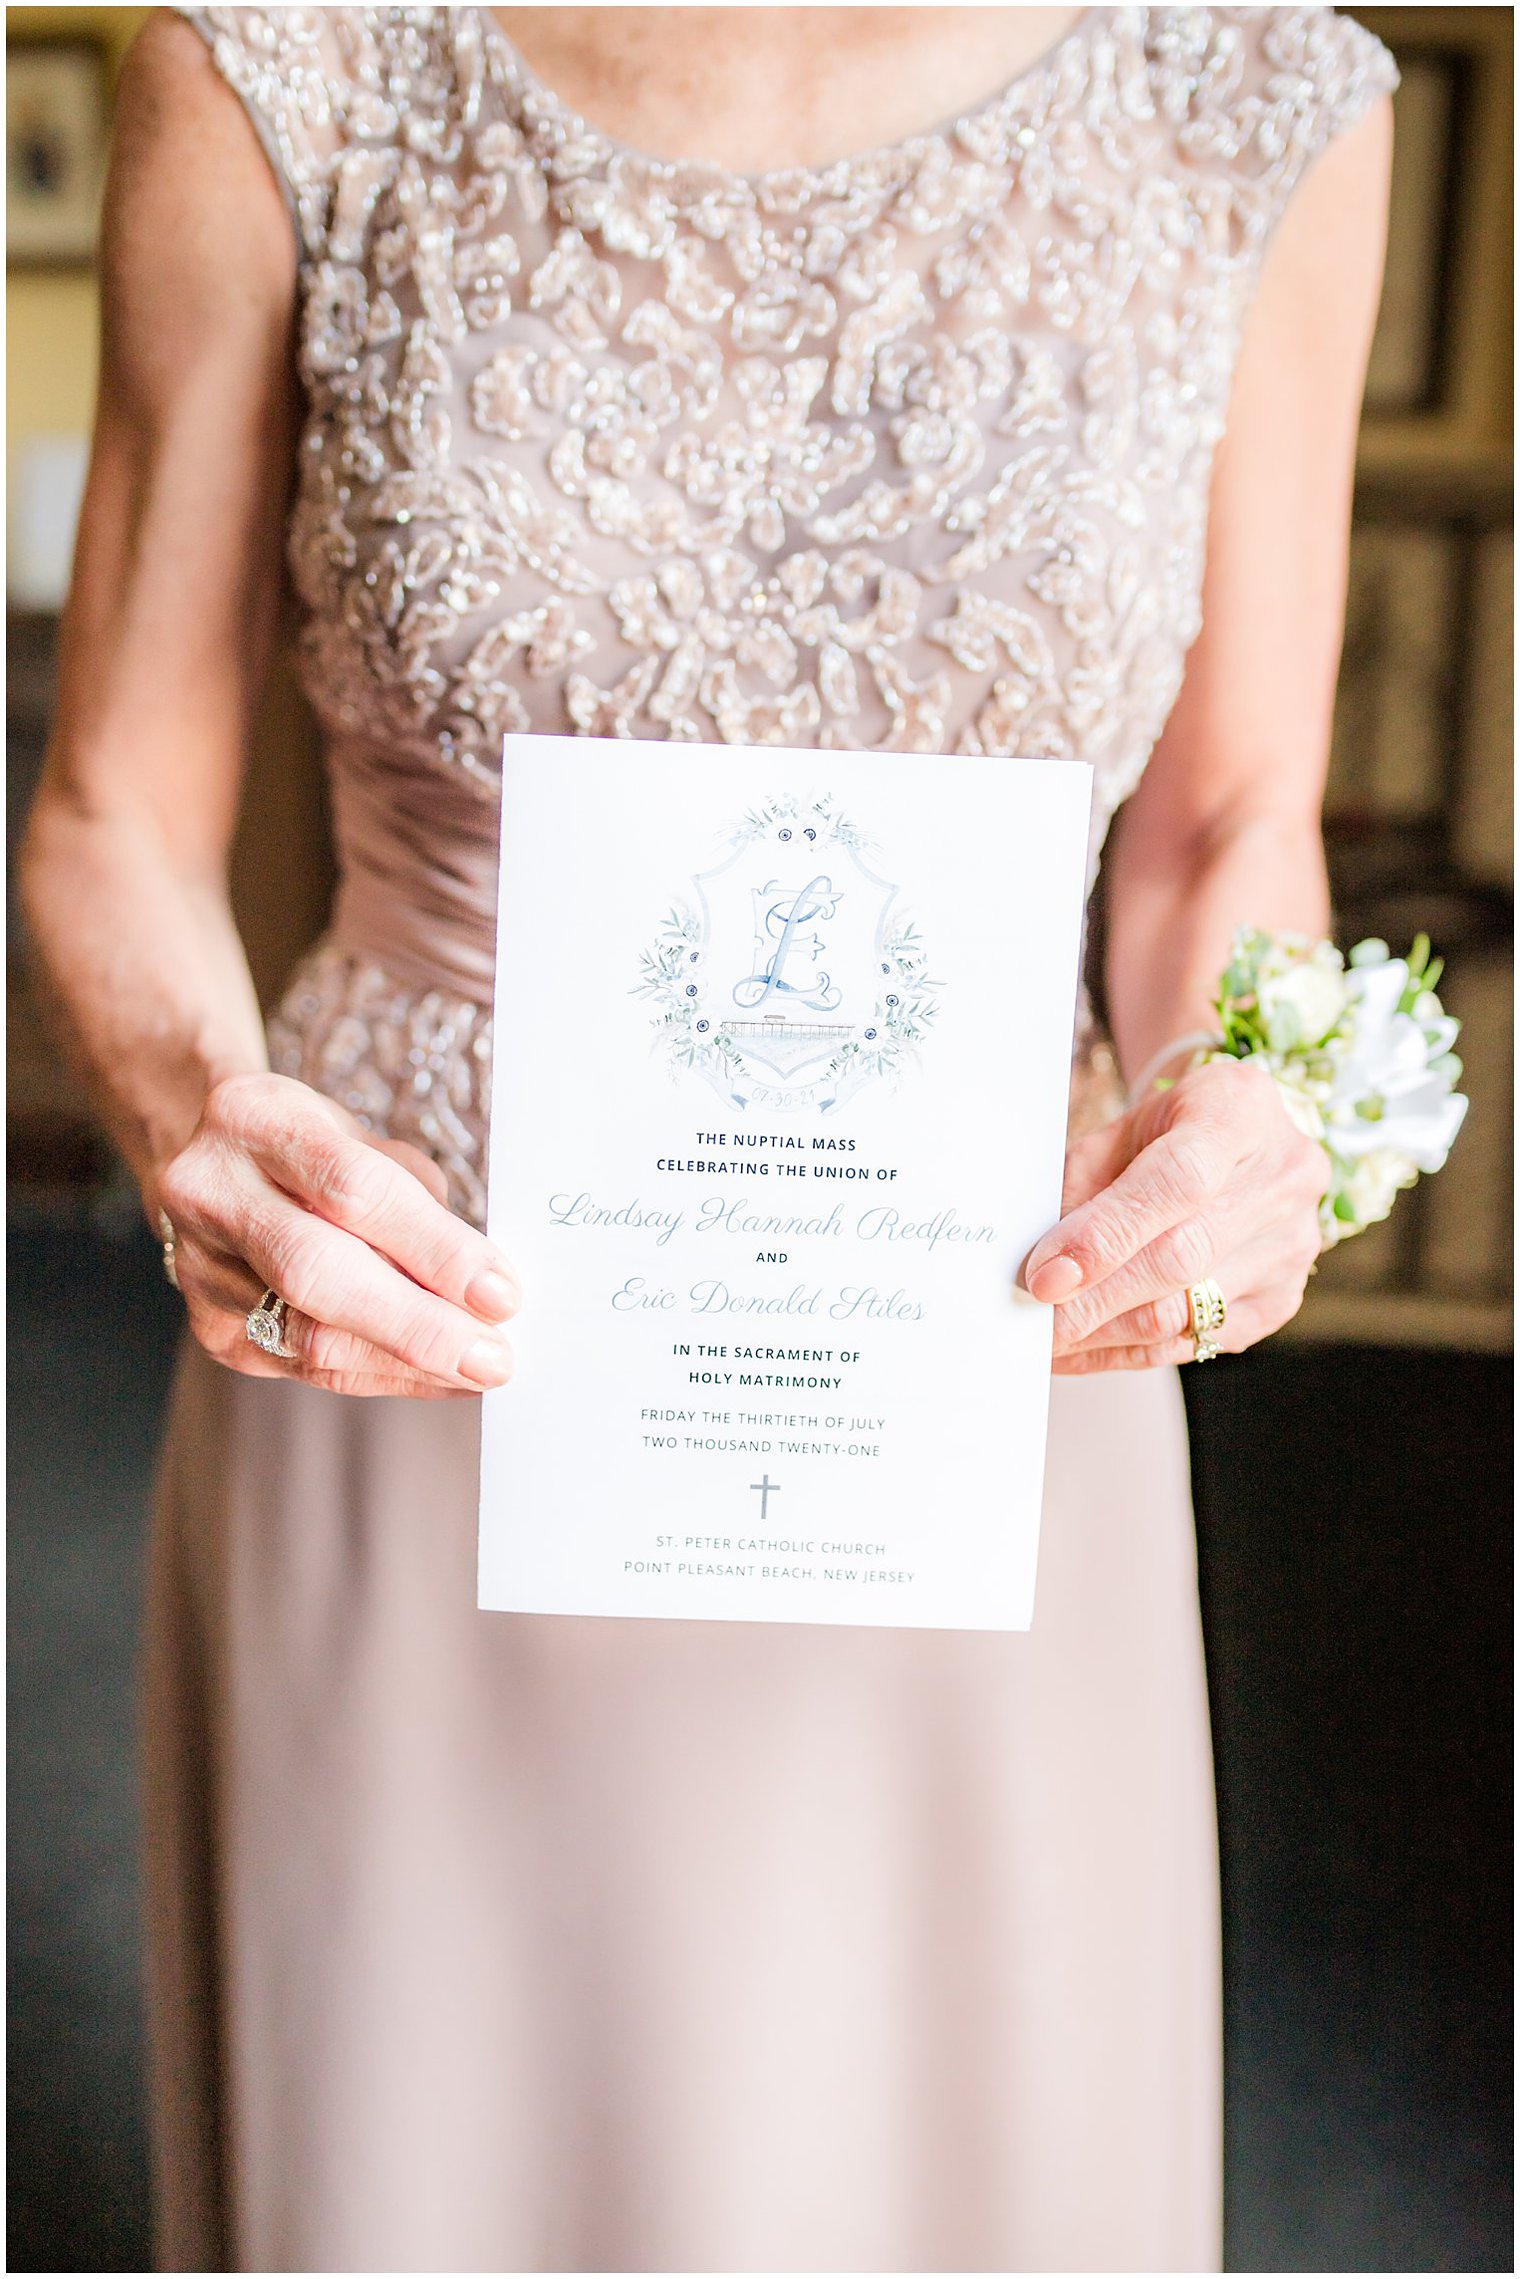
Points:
911	453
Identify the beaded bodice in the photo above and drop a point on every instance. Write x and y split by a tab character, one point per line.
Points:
909	452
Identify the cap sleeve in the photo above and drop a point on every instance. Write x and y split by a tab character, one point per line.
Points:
1324	71
1268	90
289	69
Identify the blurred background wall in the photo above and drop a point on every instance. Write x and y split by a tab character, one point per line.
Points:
1353	1476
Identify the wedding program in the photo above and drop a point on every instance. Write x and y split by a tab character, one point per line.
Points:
782	1046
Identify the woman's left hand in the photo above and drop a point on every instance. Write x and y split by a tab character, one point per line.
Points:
1209	1178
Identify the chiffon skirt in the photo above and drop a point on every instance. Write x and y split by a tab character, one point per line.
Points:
516	1943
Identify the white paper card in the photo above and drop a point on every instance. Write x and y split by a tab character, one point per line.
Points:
782	1054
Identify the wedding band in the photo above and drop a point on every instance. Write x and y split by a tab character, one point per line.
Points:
1206	1313
265	1327
168	1238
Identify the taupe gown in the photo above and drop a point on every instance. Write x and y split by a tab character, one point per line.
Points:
490	1943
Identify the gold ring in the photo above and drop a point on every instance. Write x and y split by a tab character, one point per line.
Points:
265	1327
169	1239
1206	1314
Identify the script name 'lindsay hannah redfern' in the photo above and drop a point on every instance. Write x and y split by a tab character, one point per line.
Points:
880	1223
778	1107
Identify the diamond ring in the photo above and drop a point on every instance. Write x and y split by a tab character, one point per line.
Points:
265	1327
1206	1313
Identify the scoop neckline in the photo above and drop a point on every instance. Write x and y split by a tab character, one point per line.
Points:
502	49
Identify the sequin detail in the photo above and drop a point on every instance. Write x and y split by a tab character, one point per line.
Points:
413	1065
907	453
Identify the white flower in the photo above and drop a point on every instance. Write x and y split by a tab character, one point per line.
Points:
1374	1183
1422	1125
1385	1094
1301	1006
1361	1054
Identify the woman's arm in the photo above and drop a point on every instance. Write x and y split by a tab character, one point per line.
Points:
165	642
167	631
1211	1177
1224	828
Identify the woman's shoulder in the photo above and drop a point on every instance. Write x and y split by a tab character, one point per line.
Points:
1303	58
1242	77
335	93
1251	96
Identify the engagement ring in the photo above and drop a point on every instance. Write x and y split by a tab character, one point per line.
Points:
265	1327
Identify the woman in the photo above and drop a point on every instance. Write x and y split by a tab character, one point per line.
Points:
487	1943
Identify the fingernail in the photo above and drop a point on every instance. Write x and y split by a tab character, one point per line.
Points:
491	1295
487	1362
1056	1279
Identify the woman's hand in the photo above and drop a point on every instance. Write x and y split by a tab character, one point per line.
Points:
388	1291
1211	1177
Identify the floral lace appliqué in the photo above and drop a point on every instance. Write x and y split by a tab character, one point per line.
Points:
909	452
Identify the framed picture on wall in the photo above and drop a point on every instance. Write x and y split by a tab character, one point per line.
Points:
55	150
1438	383
1405	371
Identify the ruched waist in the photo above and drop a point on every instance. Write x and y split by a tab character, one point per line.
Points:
417	857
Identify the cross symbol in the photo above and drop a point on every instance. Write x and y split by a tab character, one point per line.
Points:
767	1488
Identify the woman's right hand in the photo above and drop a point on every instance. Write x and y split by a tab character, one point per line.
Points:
387	1290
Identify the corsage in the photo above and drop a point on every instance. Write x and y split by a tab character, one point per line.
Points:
1360	1049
